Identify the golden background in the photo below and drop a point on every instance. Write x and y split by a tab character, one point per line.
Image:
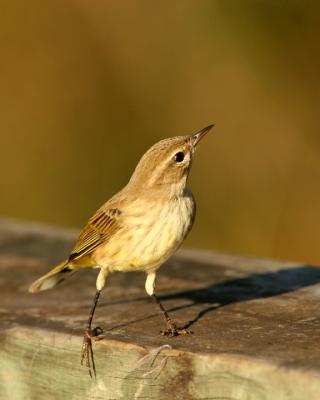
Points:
88	86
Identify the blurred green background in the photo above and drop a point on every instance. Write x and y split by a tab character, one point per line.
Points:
88	86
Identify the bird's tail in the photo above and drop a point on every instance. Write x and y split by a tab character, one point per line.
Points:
52	278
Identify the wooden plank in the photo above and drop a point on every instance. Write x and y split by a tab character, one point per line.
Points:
255	323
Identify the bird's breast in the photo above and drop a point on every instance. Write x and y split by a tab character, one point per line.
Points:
151	233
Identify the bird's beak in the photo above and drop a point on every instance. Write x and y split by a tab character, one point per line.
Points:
196	137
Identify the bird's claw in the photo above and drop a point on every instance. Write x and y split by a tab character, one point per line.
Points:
87	352
97	331
172	331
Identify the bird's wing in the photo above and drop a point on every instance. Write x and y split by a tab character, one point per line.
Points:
100	228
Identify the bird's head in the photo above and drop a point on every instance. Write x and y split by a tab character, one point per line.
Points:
165	166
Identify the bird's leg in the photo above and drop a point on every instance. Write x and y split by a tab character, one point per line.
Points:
89	333
172	329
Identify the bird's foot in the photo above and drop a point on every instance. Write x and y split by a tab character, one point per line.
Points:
87	352
172	330
96	333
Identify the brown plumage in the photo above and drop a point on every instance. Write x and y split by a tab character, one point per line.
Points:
140	227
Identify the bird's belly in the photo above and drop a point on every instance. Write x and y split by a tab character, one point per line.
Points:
147	253
146	245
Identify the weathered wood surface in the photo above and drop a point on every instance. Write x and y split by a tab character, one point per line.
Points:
256	327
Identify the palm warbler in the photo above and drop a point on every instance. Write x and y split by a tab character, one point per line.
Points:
137	229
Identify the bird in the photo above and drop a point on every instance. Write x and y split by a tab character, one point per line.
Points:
137	229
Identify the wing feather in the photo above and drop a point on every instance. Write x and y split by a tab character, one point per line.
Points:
100	228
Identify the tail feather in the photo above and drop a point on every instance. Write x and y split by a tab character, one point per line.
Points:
52	278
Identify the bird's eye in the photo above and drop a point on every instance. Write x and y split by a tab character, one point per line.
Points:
179	157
